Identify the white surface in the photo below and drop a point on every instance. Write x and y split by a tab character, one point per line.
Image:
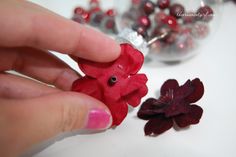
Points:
216	133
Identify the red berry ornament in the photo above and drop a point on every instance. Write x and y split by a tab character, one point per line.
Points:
177	10
148	7
144	21
205	13
163	4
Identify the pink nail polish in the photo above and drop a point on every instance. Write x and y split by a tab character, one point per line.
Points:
98	119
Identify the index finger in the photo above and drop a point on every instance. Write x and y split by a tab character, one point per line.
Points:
27	24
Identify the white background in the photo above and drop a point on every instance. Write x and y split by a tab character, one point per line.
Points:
216	133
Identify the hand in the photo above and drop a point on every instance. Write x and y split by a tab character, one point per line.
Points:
31	111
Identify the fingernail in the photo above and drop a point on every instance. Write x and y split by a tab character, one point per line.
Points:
98	119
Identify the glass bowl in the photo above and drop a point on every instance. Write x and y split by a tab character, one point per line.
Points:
182	27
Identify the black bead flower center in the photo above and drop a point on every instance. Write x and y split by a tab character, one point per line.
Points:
112	80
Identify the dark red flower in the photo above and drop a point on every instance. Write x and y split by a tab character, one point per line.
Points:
117	83
173	106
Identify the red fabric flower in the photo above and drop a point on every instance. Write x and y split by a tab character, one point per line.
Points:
117	83
174	105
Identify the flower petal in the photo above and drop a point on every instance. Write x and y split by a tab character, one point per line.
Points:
93	69
146	114
135	89
197	92
118	110
129	62
88	86
150	108
133	83
183	91
131	59
176	108
158	125
169	84
192	117
148	104
135	97
130	89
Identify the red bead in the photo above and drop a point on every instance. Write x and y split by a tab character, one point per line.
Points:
171	22
184	44
81	15
177	10
205	13
144	21
86	16
111	12
79	10
140	30
159	17
148	7
162	4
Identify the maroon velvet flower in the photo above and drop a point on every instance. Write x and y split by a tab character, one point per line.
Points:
117	83
173	106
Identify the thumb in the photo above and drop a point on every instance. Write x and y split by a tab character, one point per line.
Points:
27	122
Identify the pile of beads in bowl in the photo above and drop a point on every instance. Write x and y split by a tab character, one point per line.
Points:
184	27
95	16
